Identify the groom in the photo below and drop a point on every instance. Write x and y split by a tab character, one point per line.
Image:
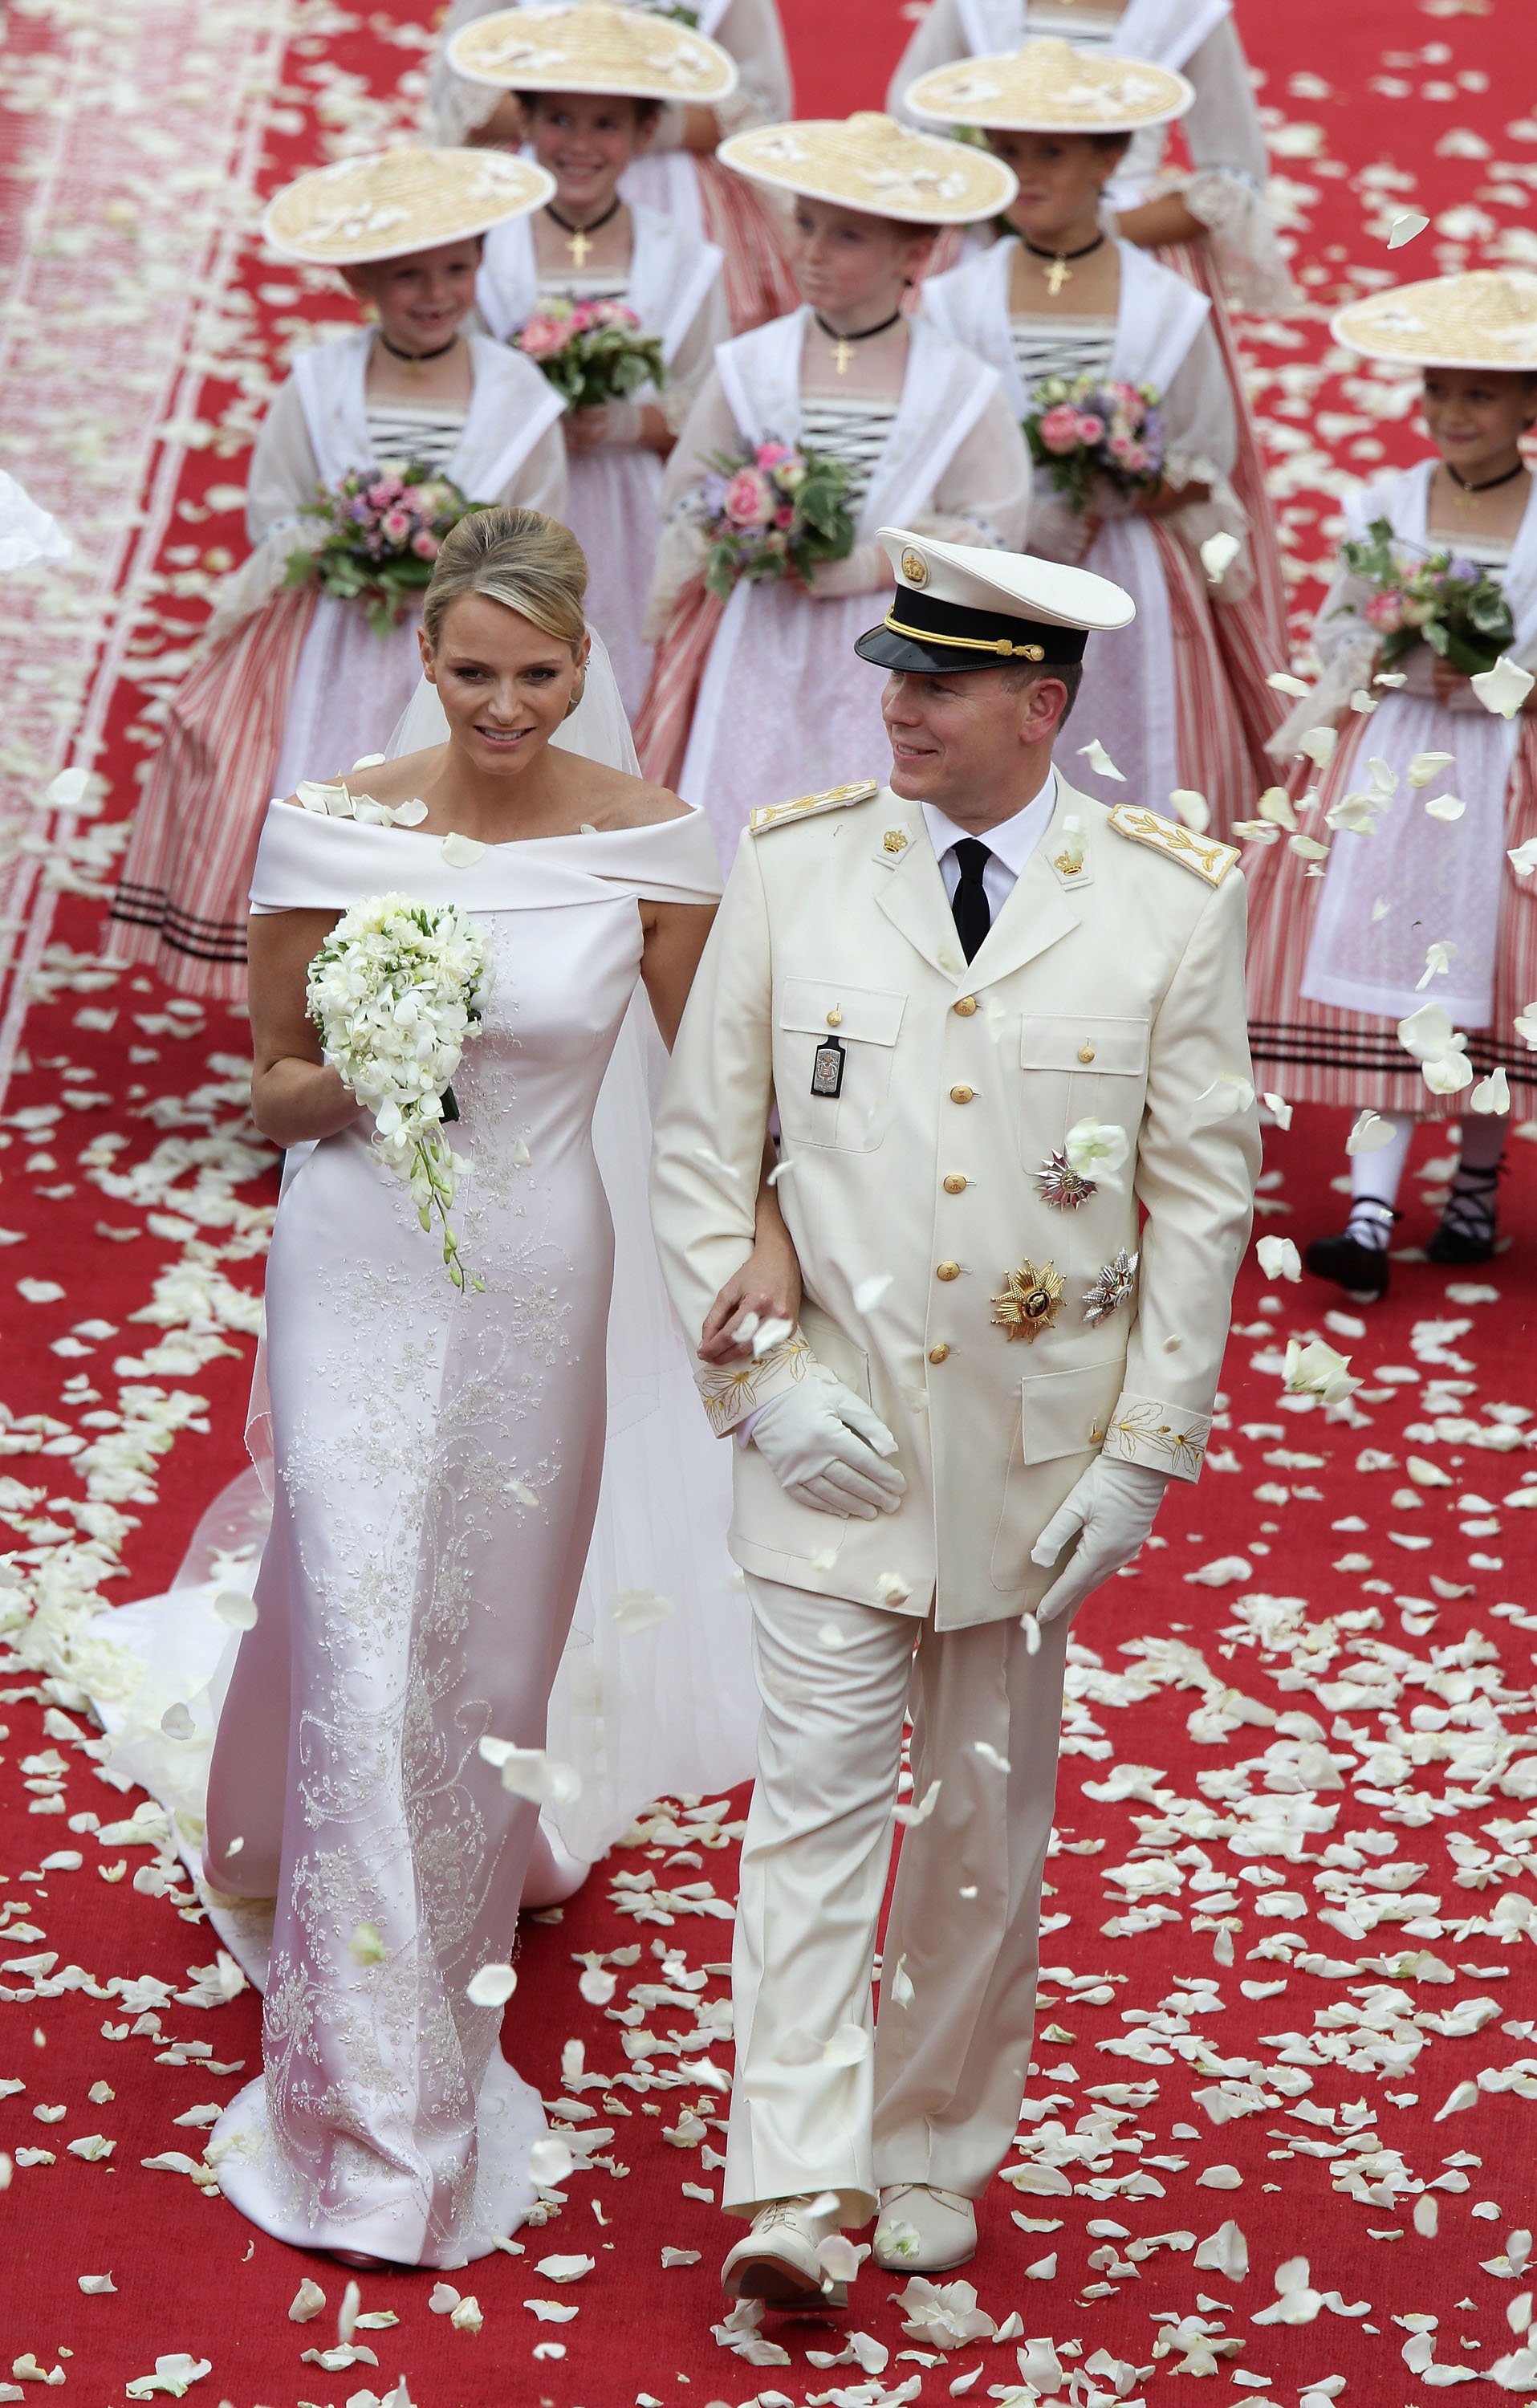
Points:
995	1019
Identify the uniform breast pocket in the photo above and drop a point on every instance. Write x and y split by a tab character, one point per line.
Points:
833	1053
1075	1064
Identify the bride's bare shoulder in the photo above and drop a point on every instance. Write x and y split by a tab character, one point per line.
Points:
617	800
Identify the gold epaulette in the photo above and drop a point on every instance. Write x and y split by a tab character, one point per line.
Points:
834	799
1201	853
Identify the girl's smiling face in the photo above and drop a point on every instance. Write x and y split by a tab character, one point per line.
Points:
1475	417
423	299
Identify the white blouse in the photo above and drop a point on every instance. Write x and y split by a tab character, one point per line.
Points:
1064	347
854	431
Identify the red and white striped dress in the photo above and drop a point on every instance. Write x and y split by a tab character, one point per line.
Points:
1417	880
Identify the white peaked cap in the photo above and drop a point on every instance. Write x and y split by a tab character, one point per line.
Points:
960	606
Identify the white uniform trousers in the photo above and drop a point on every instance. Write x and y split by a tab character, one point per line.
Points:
936	2099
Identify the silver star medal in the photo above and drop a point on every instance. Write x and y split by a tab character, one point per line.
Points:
1110	1288
1062	1186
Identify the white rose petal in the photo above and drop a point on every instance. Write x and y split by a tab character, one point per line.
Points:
1316	1370
1279	1259
1428	1033
531	1773
94	2285
1096	1150
1317	745
1218	553
1406	224
769	1334
848	2046
565	2270
1523	860
1100	761
1193	808
1370	1133
1491	1095
1504	688
598	1986
1426	766
492	1987
236	1609
1275	805
641	1609
307	2301
462	852
1284	685
548	2163
1445	807
1447	1075
1279	1109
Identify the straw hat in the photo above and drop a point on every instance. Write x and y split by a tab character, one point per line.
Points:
873	163
594	47
1486	319
1050	87
394	202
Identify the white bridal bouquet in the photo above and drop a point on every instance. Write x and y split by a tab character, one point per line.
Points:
394	992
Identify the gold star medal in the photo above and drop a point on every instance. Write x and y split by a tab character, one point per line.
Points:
1030	1301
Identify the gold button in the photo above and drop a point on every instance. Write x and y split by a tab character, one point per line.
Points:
938	1354
1085	1052
947	1270
835	1018
965	1006
962	1094
954	1184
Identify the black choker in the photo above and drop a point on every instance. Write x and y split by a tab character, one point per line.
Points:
415	358
1060	273
1489	483
843	344
580	244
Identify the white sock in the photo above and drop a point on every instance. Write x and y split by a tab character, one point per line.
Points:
1375	1185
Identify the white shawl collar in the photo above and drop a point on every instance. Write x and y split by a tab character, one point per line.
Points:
510	406
670	273
945	393
1163	31
1158	317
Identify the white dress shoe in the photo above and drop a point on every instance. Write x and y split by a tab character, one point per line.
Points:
923	2230
777	2260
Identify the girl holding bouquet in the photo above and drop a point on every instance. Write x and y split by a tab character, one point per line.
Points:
768	561
1209	222
677	174
305	666
621	305
1112	362
447	1460
1393	940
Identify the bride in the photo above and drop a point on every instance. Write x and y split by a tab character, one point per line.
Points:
439	1456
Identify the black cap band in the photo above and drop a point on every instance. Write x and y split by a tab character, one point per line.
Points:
922	633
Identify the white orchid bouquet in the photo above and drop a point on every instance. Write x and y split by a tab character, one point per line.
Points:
396	993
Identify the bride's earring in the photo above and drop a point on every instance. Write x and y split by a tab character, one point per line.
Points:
577	692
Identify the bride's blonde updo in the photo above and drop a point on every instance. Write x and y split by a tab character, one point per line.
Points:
527	562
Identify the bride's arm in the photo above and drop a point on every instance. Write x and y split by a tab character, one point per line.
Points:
293	1097
768	1281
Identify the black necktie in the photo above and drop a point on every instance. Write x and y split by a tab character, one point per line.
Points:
973	916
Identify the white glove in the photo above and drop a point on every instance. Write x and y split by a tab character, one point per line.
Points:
1114	1505
826	1447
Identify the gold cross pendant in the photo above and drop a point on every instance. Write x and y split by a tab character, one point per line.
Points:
842	354
580	249
1058	274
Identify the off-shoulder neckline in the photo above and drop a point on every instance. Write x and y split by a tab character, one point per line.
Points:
691	811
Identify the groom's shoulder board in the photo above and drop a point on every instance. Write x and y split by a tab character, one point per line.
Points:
835	799
1200	853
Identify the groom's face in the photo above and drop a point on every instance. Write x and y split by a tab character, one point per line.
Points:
965	732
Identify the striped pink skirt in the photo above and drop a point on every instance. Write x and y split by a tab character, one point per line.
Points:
1314	1053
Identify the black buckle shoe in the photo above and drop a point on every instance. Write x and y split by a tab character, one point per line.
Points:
1468	1224
1363	1271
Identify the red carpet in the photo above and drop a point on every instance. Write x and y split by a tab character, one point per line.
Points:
1366	1579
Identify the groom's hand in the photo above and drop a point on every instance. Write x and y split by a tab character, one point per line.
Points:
1114	1506
828	1449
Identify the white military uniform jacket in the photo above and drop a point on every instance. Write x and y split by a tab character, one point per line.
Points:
1111	983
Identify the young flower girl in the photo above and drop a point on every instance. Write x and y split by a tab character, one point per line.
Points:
590	87
295	681
752	697
1129	482
1400	981
1209	221
679	173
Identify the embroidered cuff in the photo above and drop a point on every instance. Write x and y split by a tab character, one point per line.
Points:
731	1392
1166	1438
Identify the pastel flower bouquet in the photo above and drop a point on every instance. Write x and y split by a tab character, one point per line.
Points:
394	993
1433	597
1088	430
771	511
381	531
591	352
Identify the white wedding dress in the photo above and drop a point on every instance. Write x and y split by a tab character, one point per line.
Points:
440	1460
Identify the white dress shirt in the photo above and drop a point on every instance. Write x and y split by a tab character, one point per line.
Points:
1010	844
